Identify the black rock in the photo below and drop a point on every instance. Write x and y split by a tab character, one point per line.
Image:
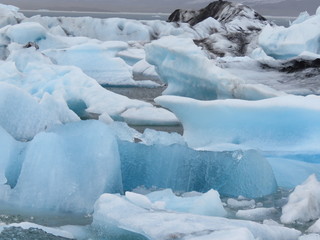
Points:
223	11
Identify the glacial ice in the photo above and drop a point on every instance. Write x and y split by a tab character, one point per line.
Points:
39	77
149	116
208	204
26	32
285	43
97	61
183	169
300	169
287	123
114	210
304	203
53	175
189	73
21	115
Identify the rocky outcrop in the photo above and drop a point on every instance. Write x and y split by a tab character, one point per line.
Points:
234	27
223	11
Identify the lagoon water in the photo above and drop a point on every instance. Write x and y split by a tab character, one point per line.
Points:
279	20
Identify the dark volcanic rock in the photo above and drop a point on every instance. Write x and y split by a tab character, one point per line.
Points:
297	65
234	27
223	11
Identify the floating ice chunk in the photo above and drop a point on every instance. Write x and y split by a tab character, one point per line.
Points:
233	203
286	123
82	94
149	116
96	62
304	203
303	16
257	214
208	204
21	115
26	32
188	72
54	231
56	176
151	137
116	210
9	15
178	167
143	70
284	43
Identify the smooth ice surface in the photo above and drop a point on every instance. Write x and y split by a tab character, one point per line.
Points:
26	32
284	43
116	210
149	116
21	114
56	176
304	203
178	167
97	61
188	72
208	203
256	214
288	123
300	169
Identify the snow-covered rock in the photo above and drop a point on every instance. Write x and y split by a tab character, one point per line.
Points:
304	203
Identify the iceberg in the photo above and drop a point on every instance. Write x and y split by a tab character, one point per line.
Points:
304	203
53	175
208	204
189	73
288	123
21	114
113	210
96	61
285	43
231	173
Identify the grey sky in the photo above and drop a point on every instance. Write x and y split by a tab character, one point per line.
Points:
265	7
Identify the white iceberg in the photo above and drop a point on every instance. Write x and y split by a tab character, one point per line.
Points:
285	43
287	123
51	174
304	203
188	72
208	204
114	210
